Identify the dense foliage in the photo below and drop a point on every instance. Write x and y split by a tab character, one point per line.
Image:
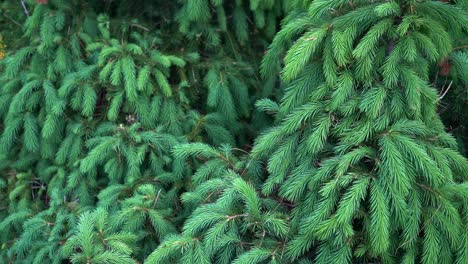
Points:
246	131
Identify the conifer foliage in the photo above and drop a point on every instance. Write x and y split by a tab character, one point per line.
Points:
359	147
247	131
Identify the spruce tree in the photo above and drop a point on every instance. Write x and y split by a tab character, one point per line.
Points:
359	147
126	130
83	112
92	103
358	153
231	222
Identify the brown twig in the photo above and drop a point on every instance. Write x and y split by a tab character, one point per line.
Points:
424	226
12	20
157	198
446	91
26	11
140	26
460	47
